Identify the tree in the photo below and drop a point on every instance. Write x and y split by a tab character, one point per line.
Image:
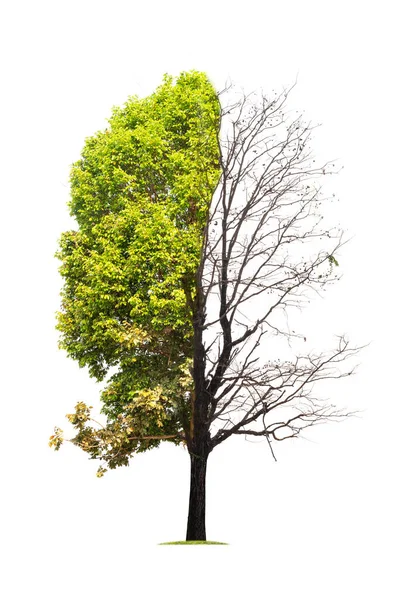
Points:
199	230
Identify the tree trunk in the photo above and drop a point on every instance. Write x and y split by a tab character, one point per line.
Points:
196	524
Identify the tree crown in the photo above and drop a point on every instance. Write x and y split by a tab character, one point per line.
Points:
140	194
194	243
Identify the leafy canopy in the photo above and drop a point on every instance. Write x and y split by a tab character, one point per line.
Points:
140	194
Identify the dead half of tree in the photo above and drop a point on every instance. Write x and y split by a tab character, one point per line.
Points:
266	251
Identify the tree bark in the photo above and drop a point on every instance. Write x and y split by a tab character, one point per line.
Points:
196	524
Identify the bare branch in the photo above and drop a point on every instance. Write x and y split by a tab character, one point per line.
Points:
266	251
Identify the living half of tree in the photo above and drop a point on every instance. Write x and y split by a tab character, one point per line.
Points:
199	229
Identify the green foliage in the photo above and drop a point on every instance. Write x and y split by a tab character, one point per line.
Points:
140	195
333	261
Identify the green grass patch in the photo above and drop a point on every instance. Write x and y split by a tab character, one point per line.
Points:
192	542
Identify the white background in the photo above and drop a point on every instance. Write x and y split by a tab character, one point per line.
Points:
320	523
